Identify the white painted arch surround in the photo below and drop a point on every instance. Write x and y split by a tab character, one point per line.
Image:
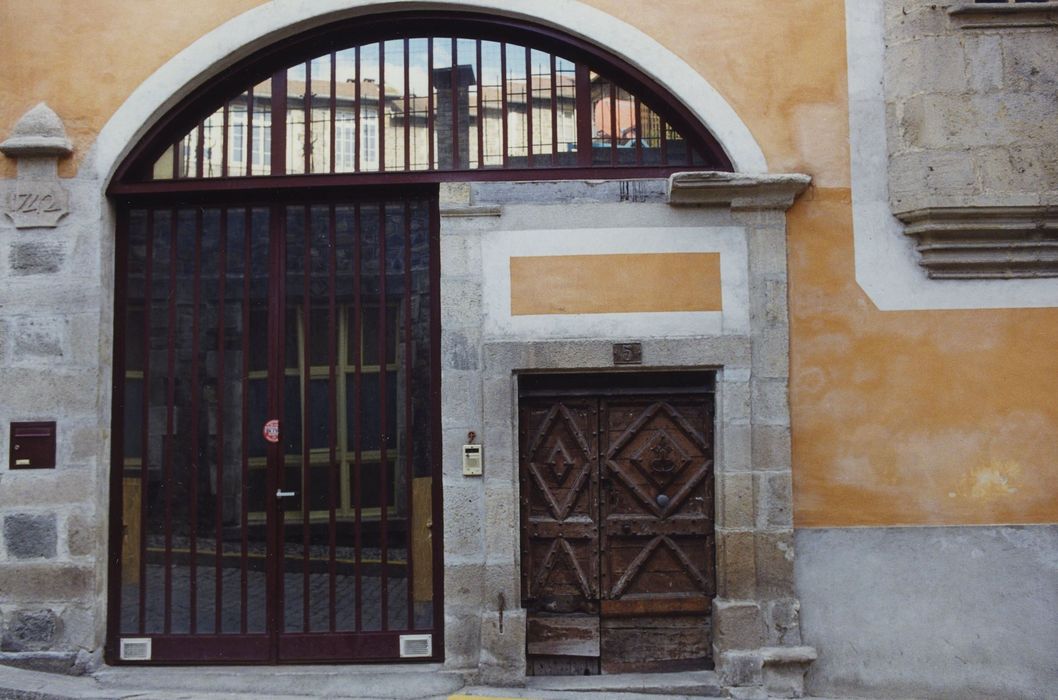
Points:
276	20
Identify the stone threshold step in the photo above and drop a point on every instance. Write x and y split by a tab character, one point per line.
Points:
394	681
686	683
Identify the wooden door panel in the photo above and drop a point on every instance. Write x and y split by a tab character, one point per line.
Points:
564	635
657	538
560	569
661	567
655	644
560	535
657	507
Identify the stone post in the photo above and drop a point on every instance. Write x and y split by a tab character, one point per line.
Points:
50	540
757	636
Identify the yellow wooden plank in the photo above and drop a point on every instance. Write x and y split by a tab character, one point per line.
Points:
422	538
131	532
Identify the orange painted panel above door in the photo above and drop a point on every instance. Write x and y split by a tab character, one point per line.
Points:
615	283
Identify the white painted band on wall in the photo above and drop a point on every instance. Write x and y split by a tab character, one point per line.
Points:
500	246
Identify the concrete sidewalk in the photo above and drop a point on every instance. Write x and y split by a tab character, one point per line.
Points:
397	682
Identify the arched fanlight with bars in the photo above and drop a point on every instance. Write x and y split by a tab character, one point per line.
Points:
430	96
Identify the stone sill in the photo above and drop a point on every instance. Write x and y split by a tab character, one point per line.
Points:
971	15
788	655
470	211
740	191
985	242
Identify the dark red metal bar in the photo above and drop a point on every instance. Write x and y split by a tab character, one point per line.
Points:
279	123
429	103
481	108
664	128
332	418
454	82
200	148
307	118
356	107
528	107
249	132
382	106
276	462
407	104
196	391
244	554
169	424
222	274
333	126
408	417
584	116
305	362
382	409
437	512
503	101
613	123
116	530
266	187
554	112
638	116
224	143
357	401
148	298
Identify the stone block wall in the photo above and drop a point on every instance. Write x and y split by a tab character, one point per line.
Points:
54	346
971	107
52	534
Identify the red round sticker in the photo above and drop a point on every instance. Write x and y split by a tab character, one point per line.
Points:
271	430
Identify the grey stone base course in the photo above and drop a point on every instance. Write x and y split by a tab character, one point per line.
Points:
931	612
55	662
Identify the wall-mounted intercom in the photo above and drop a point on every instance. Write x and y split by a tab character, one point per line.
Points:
472	463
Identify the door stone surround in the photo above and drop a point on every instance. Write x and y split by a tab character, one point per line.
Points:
757	641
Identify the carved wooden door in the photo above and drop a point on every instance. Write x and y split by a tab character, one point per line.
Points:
657	533
560	540
617	532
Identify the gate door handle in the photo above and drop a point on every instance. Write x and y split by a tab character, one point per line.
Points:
284	494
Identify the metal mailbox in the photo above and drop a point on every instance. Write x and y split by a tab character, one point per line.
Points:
32	445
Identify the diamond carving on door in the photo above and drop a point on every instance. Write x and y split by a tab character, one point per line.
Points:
617	543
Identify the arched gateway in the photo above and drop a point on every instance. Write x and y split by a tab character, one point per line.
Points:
276	485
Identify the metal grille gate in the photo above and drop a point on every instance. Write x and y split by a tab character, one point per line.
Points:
275	436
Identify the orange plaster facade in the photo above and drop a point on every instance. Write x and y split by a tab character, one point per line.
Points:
623	283
898	418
